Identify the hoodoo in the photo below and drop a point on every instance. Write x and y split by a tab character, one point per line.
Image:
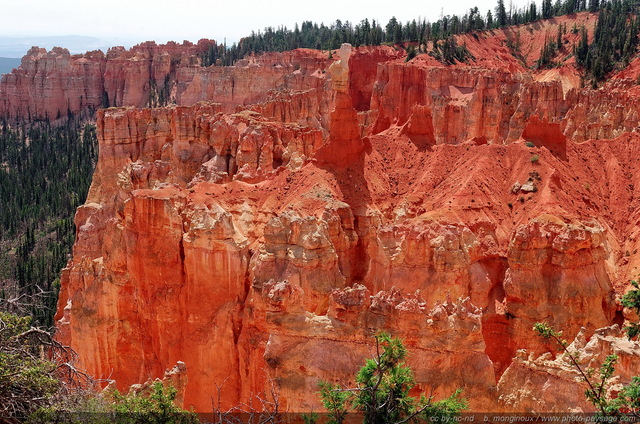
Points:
273	215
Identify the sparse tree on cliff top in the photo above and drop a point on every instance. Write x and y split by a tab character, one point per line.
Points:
533	13
569	7
547	9
501	14
391	29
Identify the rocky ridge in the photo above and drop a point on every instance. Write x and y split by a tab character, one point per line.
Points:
264	234
54	84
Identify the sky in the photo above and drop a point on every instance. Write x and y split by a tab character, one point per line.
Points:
129	22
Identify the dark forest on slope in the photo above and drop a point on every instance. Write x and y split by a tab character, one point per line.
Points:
615	38
45	175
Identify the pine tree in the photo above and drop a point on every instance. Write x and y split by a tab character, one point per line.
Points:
569	6
501	14
625	406
547	9
390	30
559	38
489	19
533	13
582	49
382	393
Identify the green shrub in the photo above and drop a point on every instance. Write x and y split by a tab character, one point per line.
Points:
38	383
626	405
28	381
411	53
632	300
382	391
156	406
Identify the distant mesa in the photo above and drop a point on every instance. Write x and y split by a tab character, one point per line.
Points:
16	47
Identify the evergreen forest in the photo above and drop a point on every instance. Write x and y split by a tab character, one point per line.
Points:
45	174
614	41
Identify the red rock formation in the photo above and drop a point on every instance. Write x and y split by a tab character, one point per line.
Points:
546	134
252	80
247	271
49	84
267	243
545	383
344	142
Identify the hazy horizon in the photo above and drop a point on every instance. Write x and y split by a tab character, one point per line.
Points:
128	23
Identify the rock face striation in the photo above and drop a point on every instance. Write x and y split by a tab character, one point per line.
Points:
54	84
282	211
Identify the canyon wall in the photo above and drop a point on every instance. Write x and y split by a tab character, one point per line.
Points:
53	84
284	210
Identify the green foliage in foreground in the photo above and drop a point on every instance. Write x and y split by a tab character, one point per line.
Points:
28	381
626	405
39	384
155	407
382	391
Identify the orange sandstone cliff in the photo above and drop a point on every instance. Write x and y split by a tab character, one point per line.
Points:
53	84
285	209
